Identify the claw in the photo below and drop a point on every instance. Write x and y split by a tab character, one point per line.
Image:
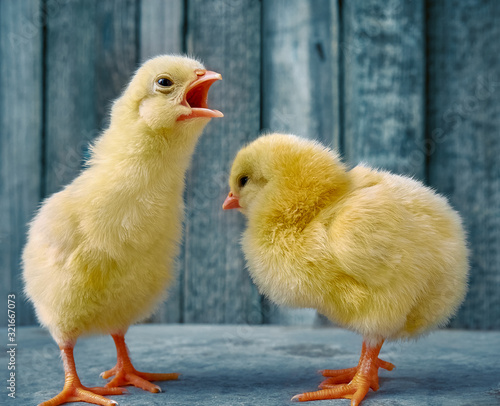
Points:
351	383
74	391
125	374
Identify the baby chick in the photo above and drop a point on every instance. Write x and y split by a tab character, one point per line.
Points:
377	253
100	252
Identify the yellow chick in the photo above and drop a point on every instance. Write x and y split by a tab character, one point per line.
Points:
100	253
379	254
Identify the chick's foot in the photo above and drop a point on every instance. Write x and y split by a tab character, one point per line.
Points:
339	376
125	374
352	383
74	391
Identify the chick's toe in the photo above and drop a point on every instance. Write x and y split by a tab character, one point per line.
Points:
125	374
351	383
74	391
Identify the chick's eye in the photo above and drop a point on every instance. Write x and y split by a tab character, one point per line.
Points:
243	181
164	82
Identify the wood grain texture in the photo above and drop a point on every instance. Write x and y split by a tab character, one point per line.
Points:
71	119
300	88
116	51
20	140
225	35
300	69
464	138
354	78
161	28
383	52
91	54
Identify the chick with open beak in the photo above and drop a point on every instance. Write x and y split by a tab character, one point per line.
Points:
197	94
101	253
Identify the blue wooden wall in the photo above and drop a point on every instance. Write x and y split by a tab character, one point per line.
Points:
411	86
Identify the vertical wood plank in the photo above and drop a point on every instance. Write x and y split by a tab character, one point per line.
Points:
464	139
20	140
71	118
300	68
161	26
383	53
225	35
90	57
116	52
300	87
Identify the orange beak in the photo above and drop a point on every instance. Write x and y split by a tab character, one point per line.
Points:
197	94
231	202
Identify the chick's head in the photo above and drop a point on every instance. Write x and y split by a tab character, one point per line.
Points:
284	172
170	91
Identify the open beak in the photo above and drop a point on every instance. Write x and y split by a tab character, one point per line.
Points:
231	202
197	94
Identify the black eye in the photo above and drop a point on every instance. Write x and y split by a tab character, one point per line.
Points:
243	181
164	82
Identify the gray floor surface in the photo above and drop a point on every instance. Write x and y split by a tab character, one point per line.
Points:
262	365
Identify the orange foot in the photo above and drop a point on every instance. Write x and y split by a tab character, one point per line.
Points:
74	391
351	383
125	374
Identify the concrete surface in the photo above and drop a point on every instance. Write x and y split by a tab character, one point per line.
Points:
263	365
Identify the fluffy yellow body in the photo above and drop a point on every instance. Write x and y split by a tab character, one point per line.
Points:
377	253
100	253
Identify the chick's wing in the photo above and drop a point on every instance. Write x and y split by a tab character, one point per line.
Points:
368	235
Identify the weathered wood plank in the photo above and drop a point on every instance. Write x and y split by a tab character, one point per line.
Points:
300	68
70	119
20	140
383	52
161	27
300	87
161	33
92	48
464	138
226	36
116	52
91	53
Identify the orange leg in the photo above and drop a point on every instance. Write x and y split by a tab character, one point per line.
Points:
351	383
74	391
126	374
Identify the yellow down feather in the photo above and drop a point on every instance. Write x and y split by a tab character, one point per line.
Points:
100	253
378	253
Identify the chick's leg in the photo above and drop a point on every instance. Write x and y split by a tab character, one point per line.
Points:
351	383
74	391
338	376
125	374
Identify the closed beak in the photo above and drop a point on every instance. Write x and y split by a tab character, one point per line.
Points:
231	202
